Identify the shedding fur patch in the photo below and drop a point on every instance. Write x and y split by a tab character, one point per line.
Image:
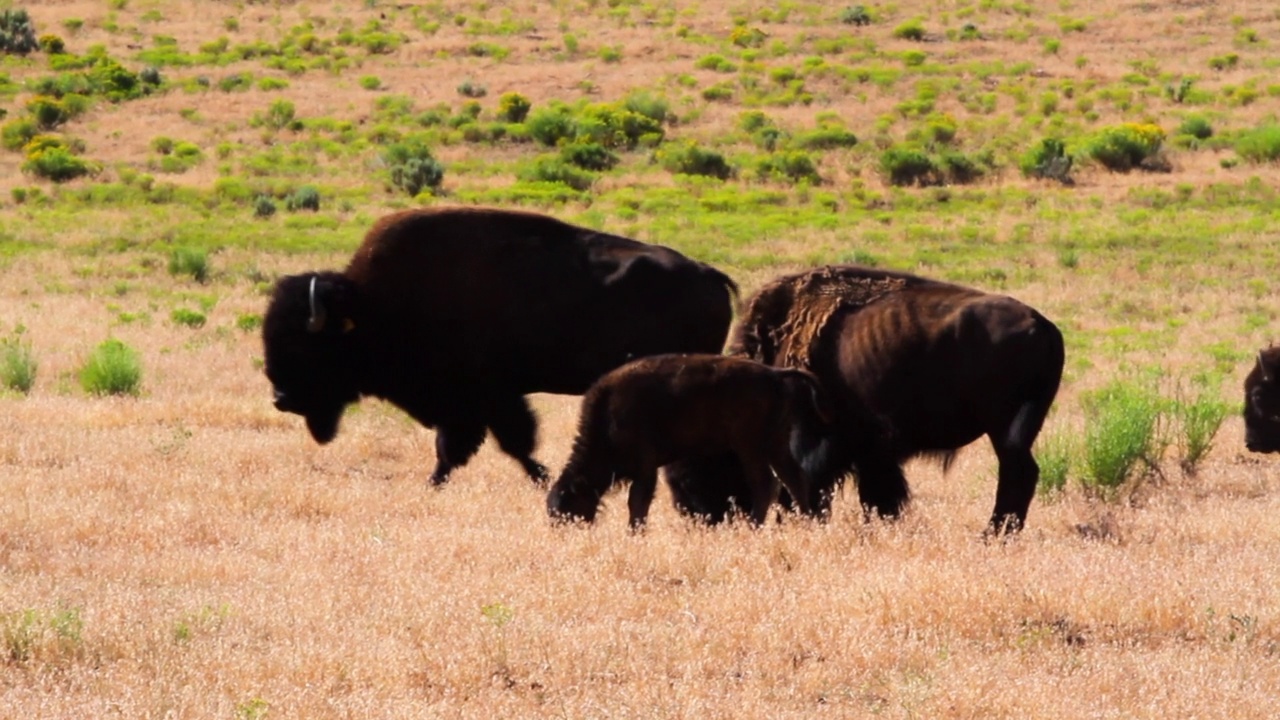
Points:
782	322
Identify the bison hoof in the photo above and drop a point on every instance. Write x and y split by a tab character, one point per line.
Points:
437	479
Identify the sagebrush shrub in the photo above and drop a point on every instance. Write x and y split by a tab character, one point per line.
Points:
855	15
1196	126
688	158
1199	419
1259	145
412	167
59	164
17	33
187	318
589	156
114	368
792	166
304	198
552	168
1047	159
906	165
264	207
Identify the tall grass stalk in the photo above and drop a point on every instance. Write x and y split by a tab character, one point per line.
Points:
17	365
1199	420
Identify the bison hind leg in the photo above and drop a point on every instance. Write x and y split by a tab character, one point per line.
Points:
882	488
644	483
516	429
1015	487
455	445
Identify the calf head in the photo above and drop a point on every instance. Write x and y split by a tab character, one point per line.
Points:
1262	403
308	349
568	502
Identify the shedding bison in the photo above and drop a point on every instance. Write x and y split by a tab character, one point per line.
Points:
1262	403
656	410
455	314
912	367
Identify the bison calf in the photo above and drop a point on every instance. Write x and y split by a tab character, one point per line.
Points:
660	409
1262	403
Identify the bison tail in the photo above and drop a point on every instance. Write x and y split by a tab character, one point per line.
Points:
1040	390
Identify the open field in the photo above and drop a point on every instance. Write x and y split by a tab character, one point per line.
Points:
190	553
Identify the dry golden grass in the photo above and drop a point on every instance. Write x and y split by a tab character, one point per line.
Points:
192	554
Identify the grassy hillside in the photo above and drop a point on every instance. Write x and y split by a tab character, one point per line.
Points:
188	552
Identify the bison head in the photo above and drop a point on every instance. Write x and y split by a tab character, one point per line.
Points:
1262	403
569	501
309	350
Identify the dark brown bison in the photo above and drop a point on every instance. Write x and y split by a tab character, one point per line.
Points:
656	410
455	314
1262	403
912	367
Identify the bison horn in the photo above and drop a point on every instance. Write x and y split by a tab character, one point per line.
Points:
315	323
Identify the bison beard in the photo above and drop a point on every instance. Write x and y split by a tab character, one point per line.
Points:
455	314
913	367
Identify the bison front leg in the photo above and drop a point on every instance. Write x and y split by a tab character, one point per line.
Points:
643	485
455	445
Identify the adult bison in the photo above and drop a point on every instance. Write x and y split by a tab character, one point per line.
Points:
1262	403
455	314
912	367
655	410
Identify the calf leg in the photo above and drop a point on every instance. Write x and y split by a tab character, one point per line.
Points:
516	430
760	480
455	444
643	485
1015	487
794	479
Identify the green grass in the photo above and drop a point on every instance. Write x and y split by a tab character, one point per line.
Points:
18	365
1123	436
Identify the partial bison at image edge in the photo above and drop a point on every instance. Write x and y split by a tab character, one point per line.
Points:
659	409
454	314
913	367
1262	403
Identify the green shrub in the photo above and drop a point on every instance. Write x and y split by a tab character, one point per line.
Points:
304	198
279	115
187	318
1196	126
513	107
910	30
1054	456
51	44
162	145
113	369
370	82
1123	433
17	34
1123	147
237	82
748	37
614	126
412	167
249	322
855	15
588	156
1199	419
189	261
472	90
907	165
1260	144
823	138
15	134
551	124
714	62
959	168
58	164
50	112
18	366
654	107
791	166
688	158
553	169
264	207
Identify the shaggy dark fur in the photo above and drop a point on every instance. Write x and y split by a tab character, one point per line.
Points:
913	367
653	411
455	314
1262	403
